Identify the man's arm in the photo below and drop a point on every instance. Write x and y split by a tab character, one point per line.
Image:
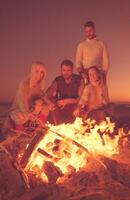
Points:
105	96
106	60
81	87
79	58
50	93
82	102
63	102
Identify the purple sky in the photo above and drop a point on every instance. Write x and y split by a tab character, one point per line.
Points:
49	31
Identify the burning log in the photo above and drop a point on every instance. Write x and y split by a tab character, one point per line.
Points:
82	147
52	171
14	137
30	149
73	141
44	153
85	175
16	143
12	184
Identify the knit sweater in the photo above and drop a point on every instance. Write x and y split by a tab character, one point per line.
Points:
94	96
92	53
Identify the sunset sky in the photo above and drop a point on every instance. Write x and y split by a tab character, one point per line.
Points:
49	31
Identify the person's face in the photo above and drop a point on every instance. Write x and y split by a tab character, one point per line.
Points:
39	73
93	75
89	32
66	71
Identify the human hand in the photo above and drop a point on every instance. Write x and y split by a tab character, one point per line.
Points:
84	75
38	106
31	116
62	103
76	112
80	69
52	106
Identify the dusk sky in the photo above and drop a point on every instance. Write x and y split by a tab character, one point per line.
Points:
49	31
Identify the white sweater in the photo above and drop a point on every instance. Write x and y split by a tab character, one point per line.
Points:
94	96
92	53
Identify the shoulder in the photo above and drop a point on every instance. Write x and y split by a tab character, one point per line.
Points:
58	78
102	43
77	77
86	90
24	82
88	87
23	86
81	44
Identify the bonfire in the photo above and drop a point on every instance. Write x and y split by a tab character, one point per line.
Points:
68	146
83	160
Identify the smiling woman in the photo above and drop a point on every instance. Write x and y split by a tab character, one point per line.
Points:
29	98
94	99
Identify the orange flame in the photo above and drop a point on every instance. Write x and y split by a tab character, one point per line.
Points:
68	146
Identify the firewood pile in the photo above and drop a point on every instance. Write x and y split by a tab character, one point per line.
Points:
93	183
12	184
104	177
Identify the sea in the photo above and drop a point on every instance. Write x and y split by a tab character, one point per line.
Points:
4	111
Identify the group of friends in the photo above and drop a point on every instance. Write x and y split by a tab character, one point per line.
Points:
84	94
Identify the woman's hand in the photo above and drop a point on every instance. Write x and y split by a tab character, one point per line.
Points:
76	112
52	106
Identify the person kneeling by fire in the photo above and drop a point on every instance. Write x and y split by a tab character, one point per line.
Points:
29	105
63	94
94	102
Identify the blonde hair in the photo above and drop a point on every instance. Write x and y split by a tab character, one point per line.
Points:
33	71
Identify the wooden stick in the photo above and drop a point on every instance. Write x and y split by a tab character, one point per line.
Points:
13	137
82	147
30	149
44	153
79	145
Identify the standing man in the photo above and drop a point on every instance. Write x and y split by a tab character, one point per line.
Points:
63	94
92	51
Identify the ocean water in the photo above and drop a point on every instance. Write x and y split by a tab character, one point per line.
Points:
4	109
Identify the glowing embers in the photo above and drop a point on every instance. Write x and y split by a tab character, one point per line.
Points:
66	148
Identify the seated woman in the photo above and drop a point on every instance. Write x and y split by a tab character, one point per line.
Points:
94	99
28	102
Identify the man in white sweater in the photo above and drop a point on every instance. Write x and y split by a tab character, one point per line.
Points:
91	51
